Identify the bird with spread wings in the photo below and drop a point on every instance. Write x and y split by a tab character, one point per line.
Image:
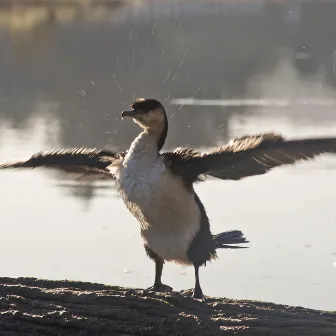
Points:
241	157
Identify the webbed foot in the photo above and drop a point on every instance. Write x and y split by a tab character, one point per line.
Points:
194	294
160	288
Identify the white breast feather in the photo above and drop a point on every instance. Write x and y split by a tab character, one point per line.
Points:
168	214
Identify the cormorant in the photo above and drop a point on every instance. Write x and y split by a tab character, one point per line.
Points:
157	187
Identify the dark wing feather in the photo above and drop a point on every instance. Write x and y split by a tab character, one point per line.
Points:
180	162
247	156
85	161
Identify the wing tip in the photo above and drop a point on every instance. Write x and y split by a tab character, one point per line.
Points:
13	164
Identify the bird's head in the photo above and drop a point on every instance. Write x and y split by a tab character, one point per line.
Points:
148	113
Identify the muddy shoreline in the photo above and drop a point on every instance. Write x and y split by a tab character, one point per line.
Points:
32	306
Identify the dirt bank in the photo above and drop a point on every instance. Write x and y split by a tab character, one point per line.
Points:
31	306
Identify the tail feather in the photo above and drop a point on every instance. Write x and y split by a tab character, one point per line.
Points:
228	239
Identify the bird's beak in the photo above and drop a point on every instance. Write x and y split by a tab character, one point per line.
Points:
130	113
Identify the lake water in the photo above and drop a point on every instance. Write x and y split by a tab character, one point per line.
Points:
224	69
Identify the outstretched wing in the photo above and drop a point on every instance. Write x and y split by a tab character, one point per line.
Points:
246	156
88	162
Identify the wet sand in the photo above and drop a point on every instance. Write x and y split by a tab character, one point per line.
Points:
32	306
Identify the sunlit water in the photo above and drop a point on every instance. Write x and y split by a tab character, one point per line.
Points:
67	88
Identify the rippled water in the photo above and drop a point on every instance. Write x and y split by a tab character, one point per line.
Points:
224	69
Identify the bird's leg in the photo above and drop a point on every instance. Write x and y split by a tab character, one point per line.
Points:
158	285
196	292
